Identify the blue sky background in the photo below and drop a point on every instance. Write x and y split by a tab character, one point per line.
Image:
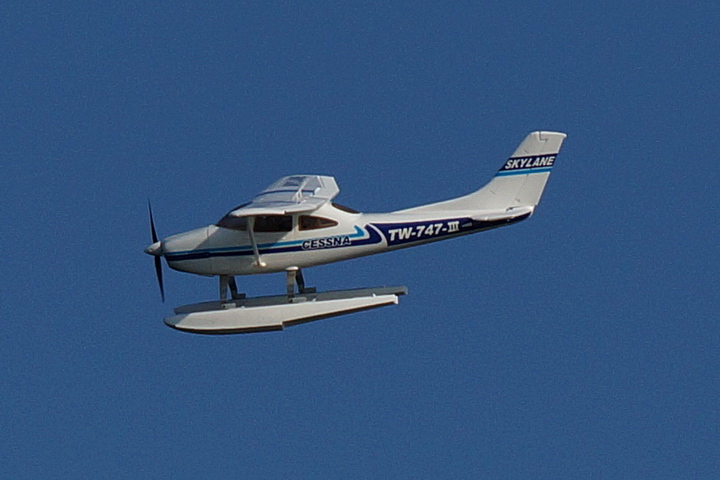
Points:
580	344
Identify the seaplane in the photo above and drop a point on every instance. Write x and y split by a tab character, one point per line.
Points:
294	224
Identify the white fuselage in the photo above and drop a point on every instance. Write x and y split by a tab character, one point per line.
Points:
340	235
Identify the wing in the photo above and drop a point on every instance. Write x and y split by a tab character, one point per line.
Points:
293	194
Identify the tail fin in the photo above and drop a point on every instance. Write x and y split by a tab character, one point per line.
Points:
519	183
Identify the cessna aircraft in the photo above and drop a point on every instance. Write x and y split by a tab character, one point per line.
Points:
294	224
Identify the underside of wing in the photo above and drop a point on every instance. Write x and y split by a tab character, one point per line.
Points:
293	194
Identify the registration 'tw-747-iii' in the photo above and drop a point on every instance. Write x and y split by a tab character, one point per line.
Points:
294	224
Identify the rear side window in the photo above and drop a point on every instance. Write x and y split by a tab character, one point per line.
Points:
308	222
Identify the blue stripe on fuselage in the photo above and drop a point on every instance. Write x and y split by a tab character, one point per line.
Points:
353	240
409	232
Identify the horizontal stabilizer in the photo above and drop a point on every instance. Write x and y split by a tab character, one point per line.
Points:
509	214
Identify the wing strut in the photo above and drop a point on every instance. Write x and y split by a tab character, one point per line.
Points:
251	232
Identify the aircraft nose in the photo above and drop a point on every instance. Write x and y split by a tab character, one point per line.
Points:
180	243
156	249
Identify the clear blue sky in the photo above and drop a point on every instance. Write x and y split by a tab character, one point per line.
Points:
580	344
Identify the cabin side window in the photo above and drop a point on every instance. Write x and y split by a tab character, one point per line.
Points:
273	223
308	222
263	223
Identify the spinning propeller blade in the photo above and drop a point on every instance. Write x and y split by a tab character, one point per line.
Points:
158	262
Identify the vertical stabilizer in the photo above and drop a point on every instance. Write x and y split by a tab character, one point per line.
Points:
519	183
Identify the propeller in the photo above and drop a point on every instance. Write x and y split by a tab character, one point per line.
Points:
156	250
